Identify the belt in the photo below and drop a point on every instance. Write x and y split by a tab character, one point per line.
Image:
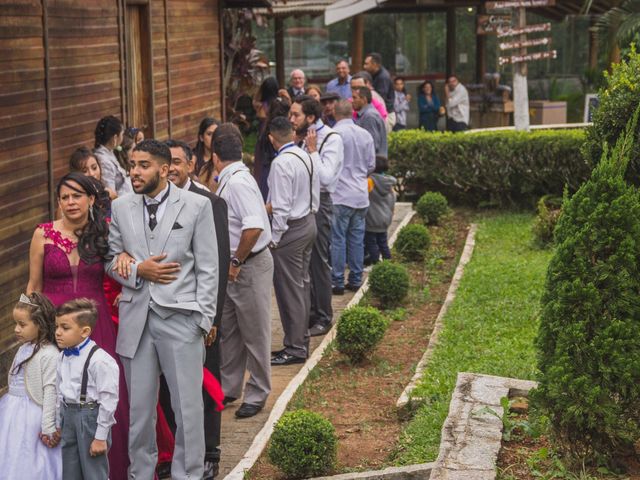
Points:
89	405
254	254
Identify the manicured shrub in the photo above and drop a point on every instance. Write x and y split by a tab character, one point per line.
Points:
619	98
359	331
588	343
413	242
549	209
503	167
303	445
431	207
389	283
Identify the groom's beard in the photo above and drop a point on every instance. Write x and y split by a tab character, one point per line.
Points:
150	186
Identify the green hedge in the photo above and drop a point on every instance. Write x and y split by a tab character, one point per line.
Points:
500	167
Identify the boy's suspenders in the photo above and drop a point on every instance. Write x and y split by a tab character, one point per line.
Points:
310	172
85	375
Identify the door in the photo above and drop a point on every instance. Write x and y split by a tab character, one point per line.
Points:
139	69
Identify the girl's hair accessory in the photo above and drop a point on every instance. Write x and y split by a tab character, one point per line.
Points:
25	299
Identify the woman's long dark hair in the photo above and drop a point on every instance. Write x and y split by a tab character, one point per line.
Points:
106	128
200	148
43	314
279	107
93	243
269	90
433	88
121	152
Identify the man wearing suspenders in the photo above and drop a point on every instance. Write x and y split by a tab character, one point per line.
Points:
294	191
325	148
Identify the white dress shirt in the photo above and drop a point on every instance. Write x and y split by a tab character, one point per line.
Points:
359	161
102	387
246	209
328	162
152	200
458	104
289	188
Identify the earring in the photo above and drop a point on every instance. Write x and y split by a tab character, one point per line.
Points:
91	216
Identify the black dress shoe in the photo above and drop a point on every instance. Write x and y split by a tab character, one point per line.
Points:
337	290
247	410
163	470
211	470
352	288
275	353
286	359
228	400
319	329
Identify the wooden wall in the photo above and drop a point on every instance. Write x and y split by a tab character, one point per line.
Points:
55	84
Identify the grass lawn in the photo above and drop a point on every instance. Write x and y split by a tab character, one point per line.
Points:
490	328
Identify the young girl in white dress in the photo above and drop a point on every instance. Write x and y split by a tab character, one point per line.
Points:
28	436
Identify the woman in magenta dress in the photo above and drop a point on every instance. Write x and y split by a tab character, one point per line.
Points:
66	262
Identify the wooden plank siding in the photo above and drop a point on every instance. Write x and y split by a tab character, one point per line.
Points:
60	105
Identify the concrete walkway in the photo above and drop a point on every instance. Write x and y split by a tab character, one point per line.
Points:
238	435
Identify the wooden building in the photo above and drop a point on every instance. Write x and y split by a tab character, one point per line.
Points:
66	63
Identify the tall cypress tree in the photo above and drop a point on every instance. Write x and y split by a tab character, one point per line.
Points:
589	338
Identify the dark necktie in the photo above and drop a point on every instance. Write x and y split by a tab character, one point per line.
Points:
152	210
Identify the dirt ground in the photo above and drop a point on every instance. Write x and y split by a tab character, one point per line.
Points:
527	458
360	401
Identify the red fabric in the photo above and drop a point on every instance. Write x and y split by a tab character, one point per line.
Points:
111	291
213	388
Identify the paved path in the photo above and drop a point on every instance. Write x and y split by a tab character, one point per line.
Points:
237	435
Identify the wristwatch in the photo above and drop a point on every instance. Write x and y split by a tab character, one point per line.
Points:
236	262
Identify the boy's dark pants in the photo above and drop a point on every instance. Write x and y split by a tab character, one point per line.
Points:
79	424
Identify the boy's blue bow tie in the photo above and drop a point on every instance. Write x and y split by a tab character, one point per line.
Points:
75	351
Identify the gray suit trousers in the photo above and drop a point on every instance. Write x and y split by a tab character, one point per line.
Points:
173	346
292	283
320	267
245	331
78	429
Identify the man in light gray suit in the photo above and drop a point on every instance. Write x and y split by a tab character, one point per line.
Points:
167	306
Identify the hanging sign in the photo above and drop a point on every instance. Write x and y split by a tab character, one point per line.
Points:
525	43
492	24
520	4
539	27
529	57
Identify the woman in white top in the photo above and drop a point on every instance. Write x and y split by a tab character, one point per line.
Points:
108	137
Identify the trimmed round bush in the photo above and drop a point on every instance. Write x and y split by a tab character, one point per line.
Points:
389	283
359	330
303	445
431	207
413	242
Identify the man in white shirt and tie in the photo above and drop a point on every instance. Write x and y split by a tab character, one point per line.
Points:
324	145
294	191
245	331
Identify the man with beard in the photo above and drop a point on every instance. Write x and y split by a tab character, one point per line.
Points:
294	191
180	171
324	145
328	101
167	306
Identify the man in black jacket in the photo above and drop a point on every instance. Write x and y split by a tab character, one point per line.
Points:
382	82
180	175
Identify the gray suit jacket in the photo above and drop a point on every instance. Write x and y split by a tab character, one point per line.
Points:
186	233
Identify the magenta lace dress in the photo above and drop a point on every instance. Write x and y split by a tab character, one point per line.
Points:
62	282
